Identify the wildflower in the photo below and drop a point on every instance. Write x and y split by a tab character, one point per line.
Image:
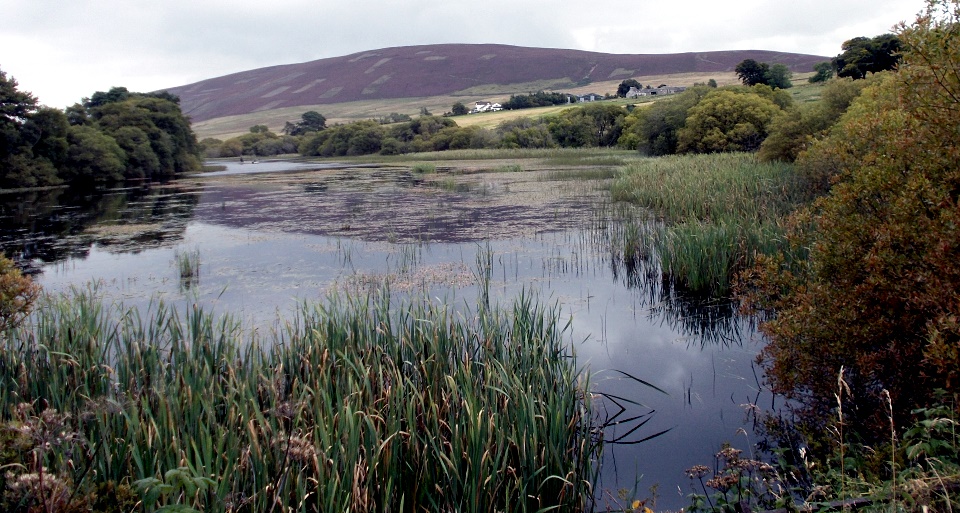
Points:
697	471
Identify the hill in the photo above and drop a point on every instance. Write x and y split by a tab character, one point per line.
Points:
470	71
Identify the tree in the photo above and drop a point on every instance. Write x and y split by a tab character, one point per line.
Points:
625	86
653	130
726	120
863	55
259	129
794	132
592	125
823	71
778	76
141	161
459	109
15	107
92	157
525	133
752	72
31	139
168	130
100	98
312	121
877	294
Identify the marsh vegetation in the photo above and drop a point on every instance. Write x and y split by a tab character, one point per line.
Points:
477	232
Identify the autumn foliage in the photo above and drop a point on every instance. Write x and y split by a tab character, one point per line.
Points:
17	294
879	291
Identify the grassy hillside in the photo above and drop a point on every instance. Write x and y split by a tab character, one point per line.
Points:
469	72
231	126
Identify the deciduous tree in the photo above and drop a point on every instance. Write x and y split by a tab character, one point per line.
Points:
752	72
726	120
823	71
878	294
863	55
459	109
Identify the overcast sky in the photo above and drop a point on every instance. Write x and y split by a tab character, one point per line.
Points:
64	50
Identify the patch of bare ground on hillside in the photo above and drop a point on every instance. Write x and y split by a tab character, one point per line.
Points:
464	201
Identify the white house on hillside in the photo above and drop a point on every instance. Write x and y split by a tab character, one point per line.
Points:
486	107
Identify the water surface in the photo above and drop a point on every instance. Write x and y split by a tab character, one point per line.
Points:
268	241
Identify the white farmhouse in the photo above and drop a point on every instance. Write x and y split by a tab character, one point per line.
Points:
486	107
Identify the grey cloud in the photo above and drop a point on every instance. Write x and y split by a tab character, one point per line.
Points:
180	41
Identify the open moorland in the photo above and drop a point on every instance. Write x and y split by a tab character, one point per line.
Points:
404	80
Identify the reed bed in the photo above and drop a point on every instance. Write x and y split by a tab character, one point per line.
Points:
424	168
715	213
354	405
188	268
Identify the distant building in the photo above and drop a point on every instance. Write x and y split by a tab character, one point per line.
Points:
589	98
486	107
654	91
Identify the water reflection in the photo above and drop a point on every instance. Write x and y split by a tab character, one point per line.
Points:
265	243
45	227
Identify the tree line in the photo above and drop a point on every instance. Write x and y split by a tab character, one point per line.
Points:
702	119
111	136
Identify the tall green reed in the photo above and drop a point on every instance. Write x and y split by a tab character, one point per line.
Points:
713	213
356	403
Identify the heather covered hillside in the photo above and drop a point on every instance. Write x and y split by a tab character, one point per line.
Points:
434	70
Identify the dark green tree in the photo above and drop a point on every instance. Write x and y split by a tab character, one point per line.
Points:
823	71
15	107
23	138
168	130
141	161
537	99
752	72
100	98
459	109
778	76
312	121
50	143
525	133
864	55
92	157
625	86
77	114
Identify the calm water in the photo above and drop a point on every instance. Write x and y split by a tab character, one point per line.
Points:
268	241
